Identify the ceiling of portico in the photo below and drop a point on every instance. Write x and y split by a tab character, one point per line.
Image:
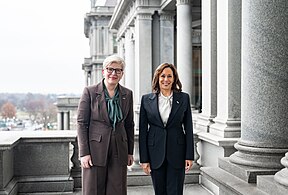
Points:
170	5
124	12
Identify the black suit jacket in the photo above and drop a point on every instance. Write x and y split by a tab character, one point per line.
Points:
173	142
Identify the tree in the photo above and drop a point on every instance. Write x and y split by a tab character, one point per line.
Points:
41	110
8	110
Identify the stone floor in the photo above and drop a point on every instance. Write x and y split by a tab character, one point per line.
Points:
190	189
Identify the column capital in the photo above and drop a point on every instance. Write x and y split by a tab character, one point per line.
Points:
183	2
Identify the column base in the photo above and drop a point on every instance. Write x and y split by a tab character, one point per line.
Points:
254	156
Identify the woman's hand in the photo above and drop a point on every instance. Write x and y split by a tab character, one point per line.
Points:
146	168
86	161
130	159
188	165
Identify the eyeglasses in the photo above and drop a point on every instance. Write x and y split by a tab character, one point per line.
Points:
111	70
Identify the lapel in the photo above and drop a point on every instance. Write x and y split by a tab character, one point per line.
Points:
177	102
153	98
100	97
124	101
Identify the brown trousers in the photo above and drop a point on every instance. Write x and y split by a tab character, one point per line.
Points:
108	180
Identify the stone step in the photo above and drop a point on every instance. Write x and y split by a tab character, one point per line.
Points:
228	183
138	178
189	189
246	173
267	184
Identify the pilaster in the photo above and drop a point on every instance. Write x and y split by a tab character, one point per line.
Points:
227	121
209	66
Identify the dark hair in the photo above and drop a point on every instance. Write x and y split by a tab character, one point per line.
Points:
176	86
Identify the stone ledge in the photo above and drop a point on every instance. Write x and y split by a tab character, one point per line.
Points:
216	140
246	173
8	139
228	183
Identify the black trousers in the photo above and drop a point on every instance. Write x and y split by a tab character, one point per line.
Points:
167	180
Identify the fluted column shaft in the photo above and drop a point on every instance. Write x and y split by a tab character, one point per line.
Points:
184	44
264	132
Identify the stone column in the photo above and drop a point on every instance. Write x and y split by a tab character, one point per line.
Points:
184	44
209	65
227	121
129	74
60	120
121	53
264	132
143	55
167	37
66	121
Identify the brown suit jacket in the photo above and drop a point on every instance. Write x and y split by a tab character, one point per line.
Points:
94	128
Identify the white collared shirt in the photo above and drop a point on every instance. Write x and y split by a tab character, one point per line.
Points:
165	106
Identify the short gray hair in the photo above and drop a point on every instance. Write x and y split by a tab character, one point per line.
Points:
114	59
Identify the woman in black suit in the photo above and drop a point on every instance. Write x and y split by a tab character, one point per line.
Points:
166	133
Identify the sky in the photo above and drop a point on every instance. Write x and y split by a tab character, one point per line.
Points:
43	46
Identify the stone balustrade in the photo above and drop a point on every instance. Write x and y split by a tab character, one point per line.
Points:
46	162
35	161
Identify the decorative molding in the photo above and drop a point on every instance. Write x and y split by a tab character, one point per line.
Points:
142	2
167	16
144	16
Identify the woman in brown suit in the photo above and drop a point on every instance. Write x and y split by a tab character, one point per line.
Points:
106	132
